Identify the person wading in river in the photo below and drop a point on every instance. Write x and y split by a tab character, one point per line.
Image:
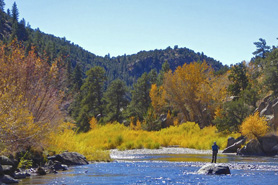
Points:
214	152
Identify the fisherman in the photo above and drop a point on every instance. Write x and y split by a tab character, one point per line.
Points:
214	152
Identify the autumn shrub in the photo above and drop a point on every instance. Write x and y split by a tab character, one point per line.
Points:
29	97
254	126
25	161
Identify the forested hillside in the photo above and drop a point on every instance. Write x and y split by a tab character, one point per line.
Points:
126	67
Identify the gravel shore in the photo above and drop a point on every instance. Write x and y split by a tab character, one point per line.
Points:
164	150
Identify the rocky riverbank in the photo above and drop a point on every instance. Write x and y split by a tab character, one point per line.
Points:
9	173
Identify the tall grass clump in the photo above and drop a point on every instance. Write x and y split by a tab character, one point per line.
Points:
65	139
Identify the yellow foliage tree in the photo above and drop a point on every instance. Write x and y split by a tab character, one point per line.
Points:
168	119
131	124
138	125
188	90
157	95
254	126
93	123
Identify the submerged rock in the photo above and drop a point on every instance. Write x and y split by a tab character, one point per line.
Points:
214	169
21	175
40	171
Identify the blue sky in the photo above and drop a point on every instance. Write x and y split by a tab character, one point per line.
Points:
222	29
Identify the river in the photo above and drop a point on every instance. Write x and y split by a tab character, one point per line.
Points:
137	167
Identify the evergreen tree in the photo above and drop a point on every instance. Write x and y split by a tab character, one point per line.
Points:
8	12
92	90
271	72
262	48
116	100
15	13
69	75
238	78
140	97
21	31
76	78
164	69
83	120
153	76
2	6
89	102
2	20
232	115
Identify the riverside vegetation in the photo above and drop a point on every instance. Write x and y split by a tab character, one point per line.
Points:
116	135
55	96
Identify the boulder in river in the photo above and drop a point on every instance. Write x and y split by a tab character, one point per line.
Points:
264	146
214	169
70	158
252	148
6	161
8	169
267	143
6	179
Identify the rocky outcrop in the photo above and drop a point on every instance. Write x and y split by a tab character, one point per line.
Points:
234	147
264	146
269	109
214	169
70	158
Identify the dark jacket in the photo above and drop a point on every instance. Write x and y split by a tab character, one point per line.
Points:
215	148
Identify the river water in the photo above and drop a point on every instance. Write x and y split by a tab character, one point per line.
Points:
132	168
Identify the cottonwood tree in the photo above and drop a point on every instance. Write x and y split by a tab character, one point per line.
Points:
188	90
